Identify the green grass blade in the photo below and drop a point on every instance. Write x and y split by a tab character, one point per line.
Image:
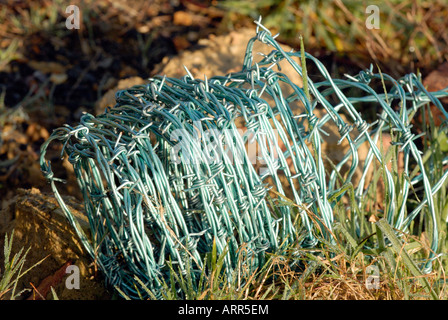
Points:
409	263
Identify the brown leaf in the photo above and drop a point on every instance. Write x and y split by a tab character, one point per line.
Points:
47	67
181	43
49	282
182	18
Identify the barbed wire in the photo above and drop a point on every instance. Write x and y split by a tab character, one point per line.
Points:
166	173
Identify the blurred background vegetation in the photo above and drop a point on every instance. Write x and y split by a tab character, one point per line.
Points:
412	34
119	39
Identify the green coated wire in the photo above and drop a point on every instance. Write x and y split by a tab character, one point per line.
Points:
155	192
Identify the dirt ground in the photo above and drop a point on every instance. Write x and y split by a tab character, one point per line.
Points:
38	224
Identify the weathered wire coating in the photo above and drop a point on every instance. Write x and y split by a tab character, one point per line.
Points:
154	191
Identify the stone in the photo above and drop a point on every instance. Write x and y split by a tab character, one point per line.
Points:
219	55
38	224
108	99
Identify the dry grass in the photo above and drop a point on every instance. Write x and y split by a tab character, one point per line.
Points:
342	279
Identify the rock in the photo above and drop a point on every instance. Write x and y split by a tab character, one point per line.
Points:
108	100
40	225
219	55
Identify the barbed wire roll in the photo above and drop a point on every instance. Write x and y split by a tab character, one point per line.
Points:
167	173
